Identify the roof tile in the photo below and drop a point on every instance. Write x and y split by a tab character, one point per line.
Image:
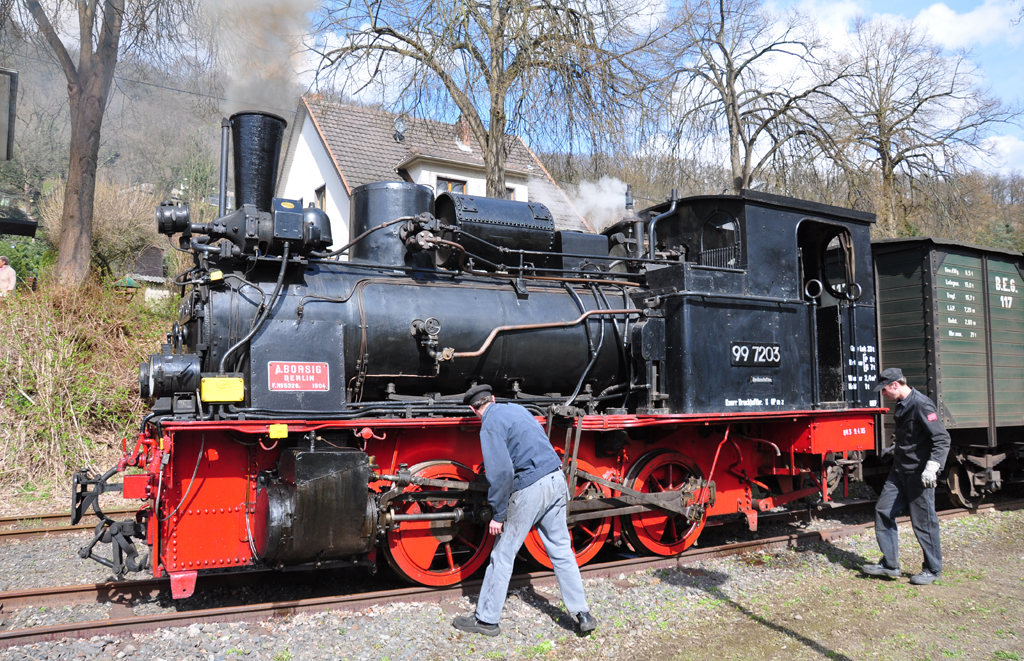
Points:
363	145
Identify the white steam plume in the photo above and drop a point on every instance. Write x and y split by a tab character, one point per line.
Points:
602	203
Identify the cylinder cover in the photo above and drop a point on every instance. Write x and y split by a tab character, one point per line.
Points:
317	508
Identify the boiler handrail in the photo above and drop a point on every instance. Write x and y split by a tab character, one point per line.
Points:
552	324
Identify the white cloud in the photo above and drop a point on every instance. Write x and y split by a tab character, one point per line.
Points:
1007	153
988	23
832	19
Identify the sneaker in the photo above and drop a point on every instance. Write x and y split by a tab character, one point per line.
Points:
880	570
586	621
470	624
926	577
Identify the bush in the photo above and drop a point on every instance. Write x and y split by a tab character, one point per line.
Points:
28	256
122	224
68	379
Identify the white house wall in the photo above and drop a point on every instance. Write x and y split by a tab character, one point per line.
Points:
427	173
311	168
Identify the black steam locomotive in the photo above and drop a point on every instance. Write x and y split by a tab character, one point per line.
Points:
708	356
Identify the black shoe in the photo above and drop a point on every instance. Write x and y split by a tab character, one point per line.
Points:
470	624
586	621
926	577
881	570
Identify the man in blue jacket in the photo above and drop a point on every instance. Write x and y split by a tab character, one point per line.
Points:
527	489
919	453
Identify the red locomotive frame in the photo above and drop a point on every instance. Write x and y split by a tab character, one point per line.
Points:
200	481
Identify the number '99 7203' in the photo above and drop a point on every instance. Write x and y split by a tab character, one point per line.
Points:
755	354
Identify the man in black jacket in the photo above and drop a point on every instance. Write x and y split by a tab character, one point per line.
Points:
527	489
919	453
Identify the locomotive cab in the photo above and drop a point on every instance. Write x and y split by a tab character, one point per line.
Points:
768	306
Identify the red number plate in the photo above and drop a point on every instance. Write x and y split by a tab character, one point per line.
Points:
299	376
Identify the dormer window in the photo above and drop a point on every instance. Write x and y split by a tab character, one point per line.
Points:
450	186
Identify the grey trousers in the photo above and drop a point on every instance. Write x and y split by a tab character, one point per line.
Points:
541	504
902	491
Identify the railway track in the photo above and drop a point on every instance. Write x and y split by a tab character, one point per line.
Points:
123	593
28	527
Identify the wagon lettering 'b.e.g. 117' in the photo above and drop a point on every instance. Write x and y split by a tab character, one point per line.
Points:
705	357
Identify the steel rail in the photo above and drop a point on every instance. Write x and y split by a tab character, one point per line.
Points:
149	623
56	516
43	531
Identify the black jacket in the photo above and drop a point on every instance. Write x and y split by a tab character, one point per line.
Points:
920	435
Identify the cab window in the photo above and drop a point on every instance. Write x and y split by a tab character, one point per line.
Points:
721	243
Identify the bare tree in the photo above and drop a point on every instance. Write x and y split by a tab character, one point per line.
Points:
741	72
548	68
906	110
105	29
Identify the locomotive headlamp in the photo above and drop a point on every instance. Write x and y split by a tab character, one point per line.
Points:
172	218
166	374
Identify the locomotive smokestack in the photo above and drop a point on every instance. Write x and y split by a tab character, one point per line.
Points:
257	142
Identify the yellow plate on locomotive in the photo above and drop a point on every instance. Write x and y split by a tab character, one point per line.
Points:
222	389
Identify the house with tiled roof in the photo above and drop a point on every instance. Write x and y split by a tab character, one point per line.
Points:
334	148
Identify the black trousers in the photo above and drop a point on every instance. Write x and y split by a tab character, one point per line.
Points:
905	491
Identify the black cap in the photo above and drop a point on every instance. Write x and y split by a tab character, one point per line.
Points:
887	376
474	392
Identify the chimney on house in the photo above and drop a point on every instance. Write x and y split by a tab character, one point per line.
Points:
462	130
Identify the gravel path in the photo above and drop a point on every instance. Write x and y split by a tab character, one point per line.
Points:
657	608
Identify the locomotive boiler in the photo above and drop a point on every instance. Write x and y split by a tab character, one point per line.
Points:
710	356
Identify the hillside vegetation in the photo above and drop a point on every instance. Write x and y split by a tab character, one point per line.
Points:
68	382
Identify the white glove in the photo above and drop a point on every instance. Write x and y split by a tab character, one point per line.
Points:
930	474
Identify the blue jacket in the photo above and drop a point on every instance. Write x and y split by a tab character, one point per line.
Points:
516	453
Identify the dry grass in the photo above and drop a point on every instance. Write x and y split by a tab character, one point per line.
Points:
68	382
122	225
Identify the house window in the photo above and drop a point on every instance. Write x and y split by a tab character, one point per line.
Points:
450	186
321	198
510	193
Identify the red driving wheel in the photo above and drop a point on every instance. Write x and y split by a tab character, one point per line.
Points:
437	553
659	532
588	536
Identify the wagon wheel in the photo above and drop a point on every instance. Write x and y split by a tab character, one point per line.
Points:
587	536
437	553
958	482
657	531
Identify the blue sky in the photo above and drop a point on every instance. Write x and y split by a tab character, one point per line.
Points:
985	28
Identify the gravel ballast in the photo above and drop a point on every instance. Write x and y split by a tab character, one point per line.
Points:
765	605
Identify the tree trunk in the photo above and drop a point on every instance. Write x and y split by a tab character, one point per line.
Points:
495	157
496	152
75	249
88	88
